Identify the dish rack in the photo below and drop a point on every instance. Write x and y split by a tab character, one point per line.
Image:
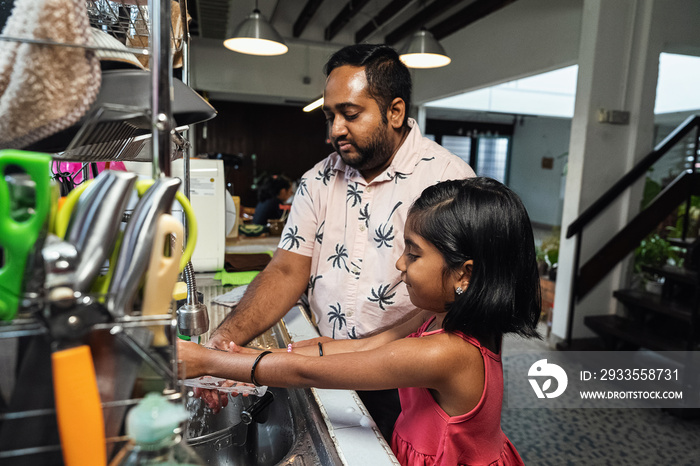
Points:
110	133
122	133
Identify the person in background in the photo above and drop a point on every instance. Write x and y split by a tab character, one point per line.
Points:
345	230
469	263
274	190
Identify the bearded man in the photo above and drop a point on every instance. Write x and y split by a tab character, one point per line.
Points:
345	231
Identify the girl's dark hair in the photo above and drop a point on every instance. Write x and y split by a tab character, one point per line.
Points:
482	220
271	187
387	76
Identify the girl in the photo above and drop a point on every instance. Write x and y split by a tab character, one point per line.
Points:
469	263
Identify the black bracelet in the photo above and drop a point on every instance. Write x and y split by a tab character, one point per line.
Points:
255	364
320	349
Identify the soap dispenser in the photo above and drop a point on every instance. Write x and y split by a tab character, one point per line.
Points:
153	426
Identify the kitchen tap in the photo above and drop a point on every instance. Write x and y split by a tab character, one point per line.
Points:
192	317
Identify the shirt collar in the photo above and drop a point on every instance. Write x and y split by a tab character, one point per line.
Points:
404	161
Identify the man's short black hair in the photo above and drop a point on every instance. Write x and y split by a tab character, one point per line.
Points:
387	76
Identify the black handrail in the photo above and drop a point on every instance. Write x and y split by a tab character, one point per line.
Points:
639	170
633	175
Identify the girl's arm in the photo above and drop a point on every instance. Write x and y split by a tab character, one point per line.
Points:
433	362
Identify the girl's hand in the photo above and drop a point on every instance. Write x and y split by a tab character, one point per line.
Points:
190	354
234	348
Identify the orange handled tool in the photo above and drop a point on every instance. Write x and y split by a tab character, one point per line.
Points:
78	408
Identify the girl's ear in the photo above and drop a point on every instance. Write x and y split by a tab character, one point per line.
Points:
396	112
465	275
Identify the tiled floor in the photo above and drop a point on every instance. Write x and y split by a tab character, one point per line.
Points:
597	436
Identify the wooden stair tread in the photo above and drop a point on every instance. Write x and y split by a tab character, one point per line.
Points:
656	303
677	274
631	332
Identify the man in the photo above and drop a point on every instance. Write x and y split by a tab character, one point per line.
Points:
345	231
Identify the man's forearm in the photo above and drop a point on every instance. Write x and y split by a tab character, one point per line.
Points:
268	298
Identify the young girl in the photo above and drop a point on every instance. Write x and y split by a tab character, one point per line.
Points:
469	263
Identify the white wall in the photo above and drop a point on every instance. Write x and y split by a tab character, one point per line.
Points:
260	79
540	188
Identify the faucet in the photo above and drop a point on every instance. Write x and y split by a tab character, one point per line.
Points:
192	317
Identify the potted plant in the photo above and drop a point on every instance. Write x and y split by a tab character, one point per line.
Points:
652	253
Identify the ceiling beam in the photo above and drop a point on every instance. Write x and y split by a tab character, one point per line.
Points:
382	17
348	12
419	20
467	15
305	16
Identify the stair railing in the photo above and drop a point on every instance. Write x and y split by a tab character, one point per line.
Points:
576	227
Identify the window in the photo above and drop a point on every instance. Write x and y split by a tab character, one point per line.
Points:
484	146
461	146
492	158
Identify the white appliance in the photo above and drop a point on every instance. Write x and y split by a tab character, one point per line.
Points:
208	199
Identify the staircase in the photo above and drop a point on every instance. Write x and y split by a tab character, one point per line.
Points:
665	321
659	322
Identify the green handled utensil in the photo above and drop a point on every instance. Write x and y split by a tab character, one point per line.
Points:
20	232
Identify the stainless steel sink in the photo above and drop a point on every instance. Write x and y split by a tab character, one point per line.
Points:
290	431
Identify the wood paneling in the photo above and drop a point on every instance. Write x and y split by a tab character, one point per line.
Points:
284	139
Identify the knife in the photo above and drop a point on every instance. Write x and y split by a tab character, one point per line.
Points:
94	224
135	250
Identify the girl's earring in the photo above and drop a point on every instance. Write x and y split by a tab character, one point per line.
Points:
459	290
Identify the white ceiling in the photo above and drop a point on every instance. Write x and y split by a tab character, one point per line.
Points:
212	16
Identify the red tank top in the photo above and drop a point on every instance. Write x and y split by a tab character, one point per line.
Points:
425	435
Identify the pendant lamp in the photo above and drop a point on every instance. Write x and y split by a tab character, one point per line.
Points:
423	51
254	36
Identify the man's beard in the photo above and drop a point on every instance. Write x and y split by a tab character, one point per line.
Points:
374	154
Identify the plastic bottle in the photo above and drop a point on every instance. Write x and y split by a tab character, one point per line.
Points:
153	426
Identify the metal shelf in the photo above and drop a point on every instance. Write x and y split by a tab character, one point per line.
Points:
145	27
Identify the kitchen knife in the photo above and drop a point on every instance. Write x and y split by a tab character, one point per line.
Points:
94	224
137	243
143	185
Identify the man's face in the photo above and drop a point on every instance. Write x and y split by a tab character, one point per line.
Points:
356	127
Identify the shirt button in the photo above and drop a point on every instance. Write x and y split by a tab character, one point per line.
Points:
350	313
362	228
369	189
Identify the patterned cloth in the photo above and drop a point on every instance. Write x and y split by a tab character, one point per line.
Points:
425	435
353	232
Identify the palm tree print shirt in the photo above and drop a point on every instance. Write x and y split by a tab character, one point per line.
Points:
353	231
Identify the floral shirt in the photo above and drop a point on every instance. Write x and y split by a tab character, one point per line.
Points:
353	232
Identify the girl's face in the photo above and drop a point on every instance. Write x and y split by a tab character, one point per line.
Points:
422	270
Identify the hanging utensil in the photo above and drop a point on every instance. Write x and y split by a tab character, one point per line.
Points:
94	224
78	409
19	238
135	250
162	272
